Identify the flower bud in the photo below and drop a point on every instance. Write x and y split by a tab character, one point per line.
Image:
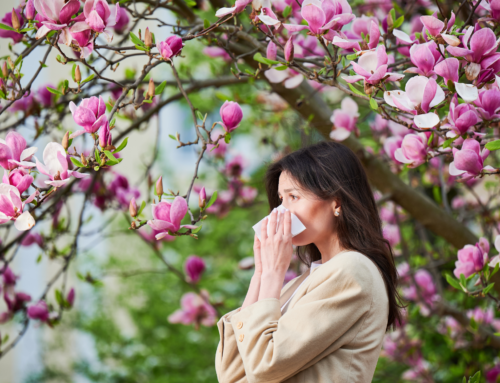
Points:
103	161
11	63
148	40
15	20
105	136
231	115
78	75
289	49
65	141
159	187
132	208
151	88
71	297
84	160
202	199
5	70
271	51
29	11
194	266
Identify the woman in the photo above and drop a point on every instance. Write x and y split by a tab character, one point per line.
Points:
326	325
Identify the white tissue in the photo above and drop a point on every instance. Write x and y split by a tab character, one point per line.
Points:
297	226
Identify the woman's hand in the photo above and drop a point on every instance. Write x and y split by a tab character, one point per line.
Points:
257	256
276	249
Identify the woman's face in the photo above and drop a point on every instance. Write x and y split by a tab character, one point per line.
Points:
316	214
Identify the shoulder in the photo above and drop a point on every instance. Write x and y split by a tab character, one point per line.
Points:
348	269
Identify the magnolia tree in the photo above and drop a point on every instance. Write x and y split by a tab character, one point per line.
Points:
419	105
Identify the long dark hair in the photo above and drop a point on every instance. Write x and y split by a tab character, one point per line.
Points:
332	171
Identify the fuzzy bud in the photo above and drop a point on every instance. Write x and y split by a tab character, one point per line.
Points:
289	49
5	70
159	187
11	63
151	89
65	141
271	51
202	199
148	40
15	20
78	75
70	298
84	160
132	208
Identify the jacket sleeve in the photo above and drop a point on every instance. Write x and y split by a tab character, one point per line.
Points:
274	347
228	362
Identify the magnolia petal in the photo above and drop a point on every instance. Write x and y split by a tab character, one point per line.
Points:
78	174
426	121
339	134
224	11
399	156
77	133
42	31
294	82
352	79
24	222
268	20
467	92
452	169
189	226
402	36
295	28
27	153
58	183
454	41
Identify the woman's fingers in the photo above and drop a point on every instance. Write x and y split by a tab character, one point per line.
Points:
263	229
280	224
287	223
272	223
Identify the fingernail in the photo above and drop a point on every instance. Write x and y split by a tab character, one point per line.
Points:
286	210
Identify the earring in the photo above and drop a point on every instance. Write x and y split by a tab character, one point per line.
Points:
337	213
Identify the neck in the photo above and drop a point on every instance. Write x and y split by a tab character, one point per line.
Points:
329	248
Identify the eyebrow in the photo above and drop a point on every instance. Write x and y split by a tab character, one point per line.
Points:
287	190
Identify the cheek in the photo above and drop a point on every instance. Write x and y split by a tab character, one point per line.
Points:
317	219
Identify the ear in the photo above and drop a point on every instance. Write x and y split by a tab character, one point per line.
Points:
336	207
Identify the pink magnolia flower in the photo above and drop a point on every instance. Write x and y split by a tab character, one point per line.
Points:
235	166
105	136
231	115
391	233
367	26
239	6
413	151
15	301
448	69
90	115
168	216
45	97
323	16
99	17
13	152
421	95
82	38
11	207
39	311
149	235
391	144
424	57
195	310
372	67
194	266
404	272
121	190
468	161
32	238
122	21
426	287
8	276
461	118
20	178
290	78
492	374
246	194
56	165
7	20
470	260
488	104
344	119
55	15
71	297
217	52
496	259
170	47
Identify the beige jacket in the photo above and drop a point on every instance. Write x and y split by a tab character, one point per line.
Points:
330	332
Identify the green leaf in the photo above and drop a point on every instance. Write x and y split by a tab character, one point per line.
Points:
6	27
206	24
497	266
227	138
73	72
287	11
282	67
27	29
393	14
351	57
136	40
2	94
18	60
463	282
493	145
199	115
258	57
194	231
110	156
54	91
172	137
112	123
430	139
159	88
145	49
453	282
399	22
143	205
76	162
122	146
212	200
88	78
39	259
488	288
475	378
449	141
96	154
373	104
355	90
59	297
